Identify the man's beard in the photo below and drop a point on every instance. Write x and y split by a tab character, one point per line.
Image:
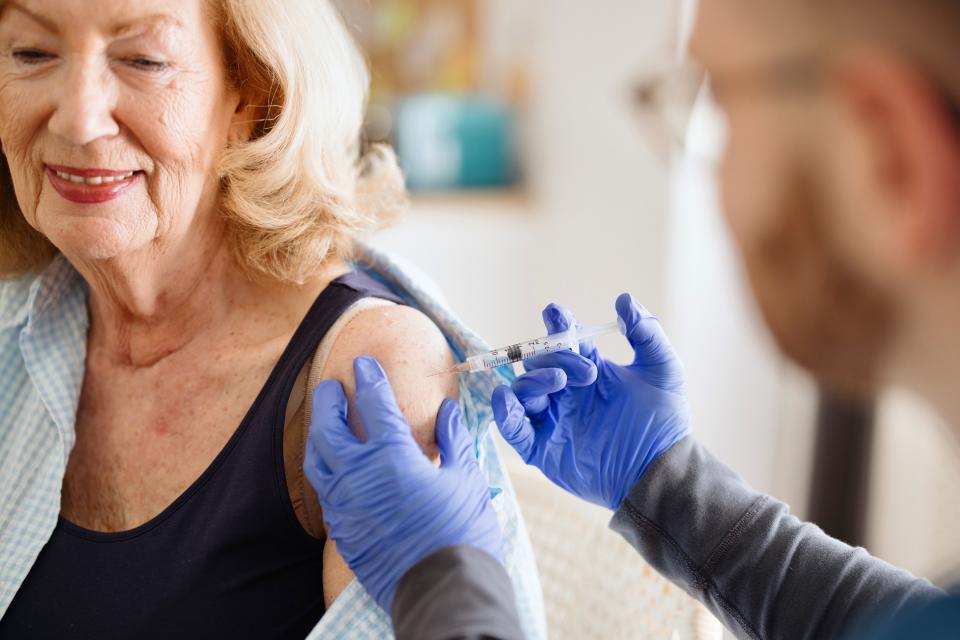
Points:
822	313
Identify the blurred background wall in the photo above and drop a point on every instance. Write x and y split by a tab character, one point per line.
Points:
588	218
591	211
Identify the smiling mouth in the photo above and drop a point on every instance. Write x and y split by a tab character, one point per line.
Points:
94	180
91	186
91	176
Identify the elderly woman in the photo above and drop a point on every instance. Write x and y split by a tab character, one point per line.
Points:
181	187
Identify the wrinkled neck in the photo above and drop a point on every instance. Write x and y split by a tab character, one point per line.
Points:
145	307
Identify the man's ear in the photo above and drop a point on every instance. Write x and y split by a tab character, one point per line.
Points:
913	151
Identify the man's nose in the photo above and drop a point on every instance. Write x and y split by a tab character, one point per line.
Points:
85	105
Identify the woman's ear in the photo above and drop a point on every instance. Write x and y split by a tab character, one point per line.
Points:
247	113
913	141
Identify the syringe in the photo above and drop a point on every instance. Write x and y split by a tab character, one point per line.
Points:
569	339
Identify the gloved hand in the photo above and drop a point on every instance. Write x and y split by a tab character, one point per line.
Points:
590	425
387	506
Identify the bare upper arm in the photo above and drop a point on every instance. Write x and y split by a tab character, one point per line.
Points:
409	347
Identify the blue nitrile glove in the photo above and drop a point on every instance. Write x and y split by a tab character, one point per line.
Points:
590	425
386	504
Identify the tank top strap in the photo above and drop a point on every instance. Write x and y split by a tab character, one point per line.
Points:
333	301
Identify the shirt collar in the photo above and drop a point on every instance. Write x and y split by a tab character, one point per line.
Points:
29	298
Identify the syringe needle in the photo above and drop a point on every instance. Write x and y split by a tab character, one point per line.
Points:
463	367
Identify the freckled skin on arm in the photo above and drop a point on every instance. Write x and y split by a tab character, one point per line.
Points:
410	348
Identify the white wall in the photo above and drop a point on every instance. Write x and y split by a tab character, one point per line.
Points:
595	222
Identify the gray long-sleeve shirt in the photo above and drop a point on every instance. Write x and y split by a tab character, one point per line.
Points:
763	572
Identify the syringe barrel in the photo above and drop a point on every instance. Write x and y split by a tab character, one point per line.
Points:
569	339
478	362
523	350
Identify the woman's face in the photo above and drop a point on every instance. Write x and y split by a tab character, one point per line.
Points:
112	117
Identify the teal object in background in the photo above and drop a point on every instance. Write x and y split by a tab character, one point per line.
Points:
449	142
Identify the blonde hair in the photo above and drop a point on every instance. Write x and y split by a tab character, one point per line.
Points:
299	191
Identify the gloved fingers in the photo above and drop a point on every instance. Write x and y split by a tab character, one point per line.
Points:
376	404
540	382
453	439
645	333
557	318
330	437
589	351
512	422
580	371
533	389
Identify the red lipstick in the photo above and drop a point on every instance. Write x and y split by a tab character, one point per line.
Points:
98	185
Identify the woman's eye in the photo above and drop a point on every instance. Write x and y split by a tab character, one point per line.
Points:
146	64
30	56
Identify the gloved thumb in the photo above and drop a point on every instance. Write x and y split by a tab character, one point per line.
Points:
376	403
453	440
512	421
651	347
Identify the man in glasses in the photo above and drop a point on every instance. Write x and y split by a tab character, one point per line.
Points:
841	183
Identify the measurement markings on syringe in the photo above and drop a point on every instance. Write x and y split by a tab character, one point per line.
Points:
523	350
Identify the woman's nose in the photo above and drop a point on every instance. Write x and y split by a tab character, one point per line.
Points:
84	108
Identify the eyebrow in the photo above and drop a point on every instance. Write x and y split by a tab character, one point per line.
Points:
43	21
150	21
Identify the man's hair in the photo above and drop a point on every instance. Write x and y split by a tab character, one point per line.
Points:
924	31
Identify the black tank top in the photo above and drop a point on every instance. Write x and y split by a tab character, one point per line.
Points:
228	559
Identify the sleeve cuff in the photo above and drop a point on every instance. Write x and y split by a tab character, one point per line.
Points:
456	592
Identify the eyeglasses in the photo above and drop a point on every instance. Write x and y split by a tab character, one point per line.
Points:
665	95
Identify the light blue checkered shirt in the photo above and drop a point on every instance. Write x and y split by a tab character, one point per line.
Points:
43	335
43	338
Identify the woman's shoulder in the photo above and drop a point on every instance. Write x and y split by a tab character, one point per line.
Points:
410	348
396	332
